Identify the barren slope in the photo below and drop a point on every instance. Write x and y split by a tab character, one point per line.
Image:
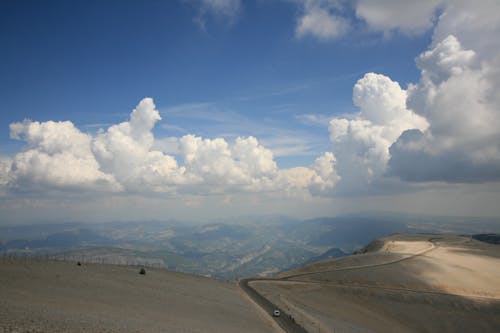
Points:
41	296
404	283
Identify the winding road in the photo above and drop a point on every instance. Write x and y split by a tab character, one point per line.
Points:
431	247
285	321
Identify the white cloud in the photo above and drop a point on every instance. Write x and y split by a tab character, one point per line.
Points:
125	150
314	119
475	24
210	161
319	179
326	176
256	160
319	21
57	155
293	145
411	17
361	145
324	19
295	179
169	145
127	157
446	127
456	94
220	9
447	59
5	166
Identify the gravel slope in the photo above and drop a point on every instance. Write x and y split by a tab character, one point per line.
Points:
410	283
49	296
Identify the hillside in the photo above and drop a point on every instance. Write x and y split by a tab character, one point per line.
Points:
402	283
223	249
399	283
53	296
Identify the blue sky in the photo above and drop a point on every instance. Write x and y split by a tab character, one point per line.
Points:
283	72
91	62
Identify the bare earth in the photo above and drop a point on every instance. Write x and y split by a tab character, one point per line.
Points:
50	296
404	283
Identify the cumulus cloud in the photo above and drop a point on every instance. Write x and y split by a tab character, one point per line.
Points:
447	58
451	129
361	144
456	95
210	161
126	158
5	166
324	19
319	20
321	23
125	150
445	127
474	23
253	157
57	155
325	177
319	179
412	161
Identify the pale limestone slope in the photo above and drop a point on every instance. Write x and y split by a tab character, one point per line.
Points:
41	296
404	283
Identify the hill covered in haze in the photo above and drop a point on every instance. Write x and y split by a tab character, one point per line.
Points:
223	249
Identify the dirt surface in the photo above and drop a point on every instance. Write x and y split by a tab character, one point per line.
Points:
50	296
406	283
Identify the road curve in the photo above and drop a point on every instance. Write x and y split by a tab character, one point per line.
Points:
431	247
285	320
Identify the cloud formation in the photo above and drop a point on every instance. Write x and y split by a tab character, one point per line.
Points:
124	159
326	19
456	95
57	155
319	20
409	17
446	127
227	10
361	144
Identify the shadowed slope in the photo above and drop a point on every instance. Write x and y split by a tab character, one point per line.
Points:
403	283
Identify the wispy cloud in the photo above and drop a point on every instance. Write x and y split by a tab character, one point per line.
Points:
321	120
276	92
96	125
222	10
286	145
215	121
185	107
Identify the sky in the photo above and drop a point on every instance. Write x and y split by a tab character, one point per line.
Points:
199	109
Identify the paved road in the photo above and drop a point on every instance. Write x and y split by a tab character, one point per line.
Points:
432	246
285	321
